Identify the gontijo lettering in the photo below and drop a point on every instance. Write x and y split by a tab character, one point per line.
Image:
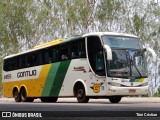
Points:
26	73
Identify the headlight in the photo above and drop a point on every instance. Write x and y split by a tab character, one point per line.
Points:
114	84
145	84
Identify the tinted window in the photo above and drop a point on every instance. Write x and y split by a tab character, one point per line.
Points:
47	55
95	55
122	42
77	49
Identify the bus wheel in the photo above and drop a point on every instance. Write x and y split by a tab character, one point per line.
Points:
16	95
115	99
24	97
23	94
81	95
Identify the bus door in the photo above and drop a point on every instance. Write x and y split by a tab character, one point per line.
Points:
96	55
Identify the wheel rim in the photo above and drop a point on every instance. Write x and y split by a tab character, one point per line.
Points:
16	95
114	98
23	95
80	93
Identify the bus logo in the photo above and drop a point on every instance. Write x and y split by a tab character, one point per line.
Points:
96	87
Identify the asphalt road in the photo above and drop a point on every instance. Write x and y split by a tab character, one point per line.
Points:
140	108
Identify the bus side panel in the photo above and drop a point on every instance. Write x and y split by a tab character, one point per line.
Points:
76	70
79	70
55	78
34	86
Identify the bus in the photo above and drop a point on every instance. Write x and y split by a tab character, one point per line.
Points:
95	65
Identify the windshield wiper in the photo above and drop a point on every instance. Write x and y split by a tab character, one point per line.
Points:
132	63
137	70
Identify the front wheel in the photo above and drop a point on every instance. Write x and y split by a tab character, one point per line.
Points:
115	99
81	95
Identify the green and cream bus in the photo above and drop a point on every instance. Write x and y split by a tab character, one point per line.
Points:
94	65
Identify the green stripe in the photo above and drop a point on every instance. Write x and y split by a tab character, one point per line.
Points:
55	78
134	80
50	79
59	78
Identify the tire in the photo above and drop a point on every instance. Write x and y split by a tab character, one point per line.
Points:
49	99
115	99
23	95
81	95
16	95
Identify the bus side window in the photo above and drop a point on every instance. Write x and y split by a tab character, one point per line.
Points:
56	56
81	47
22	62
45	56
6	65
100	67
74	49
93	45
35	59
29	60
15	63
39	57
10	64
77	48
64	52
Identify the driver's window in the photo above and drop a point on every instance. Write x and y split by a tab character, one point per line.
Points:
100	69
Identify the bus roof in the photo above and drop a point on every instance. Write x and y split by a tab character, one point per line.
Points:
109	33
72	38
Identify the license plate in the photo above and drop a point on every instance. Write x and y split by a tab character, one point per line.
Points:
132	91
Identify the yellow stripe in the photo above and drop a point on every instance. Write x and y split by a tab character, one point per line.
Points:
42	80
54	42
141	80
34	87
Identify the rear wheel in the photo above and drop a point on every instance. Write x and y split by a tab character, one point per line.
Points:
49	99
16	95
115	99
81	95
24	97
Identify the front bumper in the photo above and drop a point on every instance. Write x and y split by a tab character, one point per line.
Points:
125	91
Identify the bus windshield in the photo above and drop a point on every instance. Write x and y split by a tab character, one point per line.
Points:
127	63
122	42
127	57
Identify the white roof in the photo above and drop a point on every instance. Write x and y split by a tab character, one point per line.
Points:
109	33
